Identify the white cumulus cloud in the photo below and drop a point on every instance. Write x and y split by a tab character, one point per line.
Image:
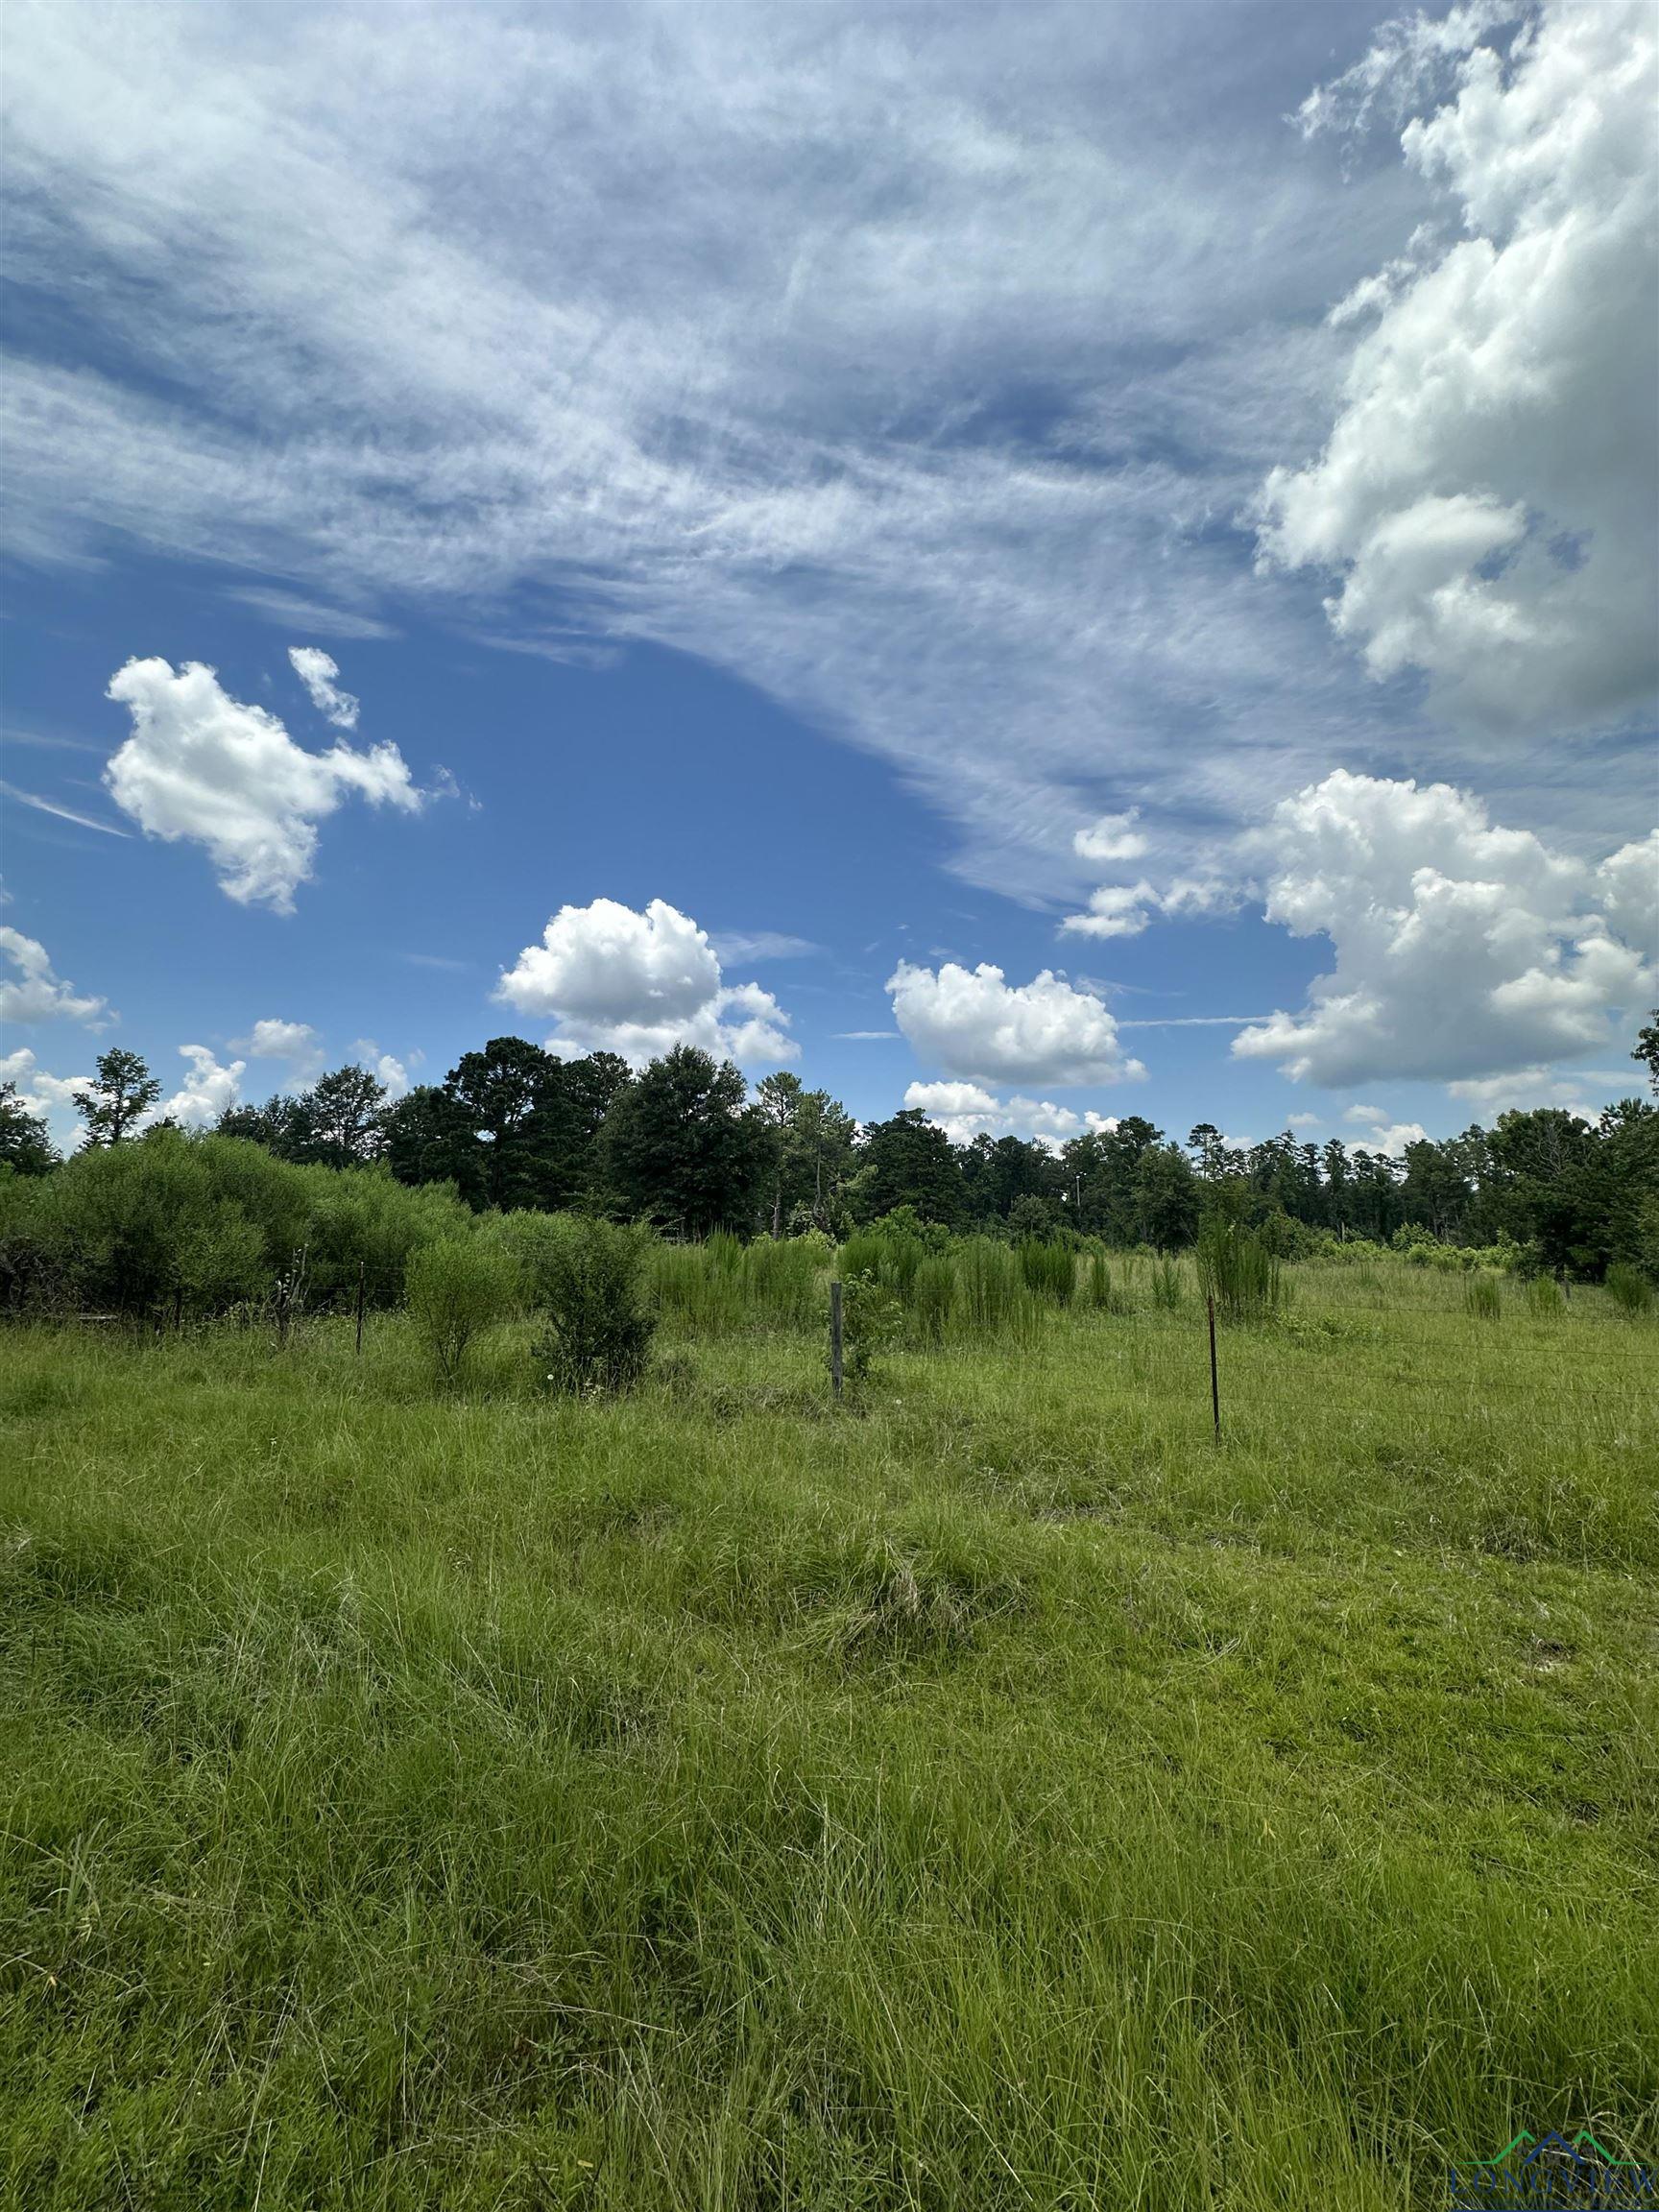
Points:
637	984
296	1042
1382	1136
965	1111
1490	1095
316	670
206	1092
973	1023
1462	950
385	1067
38	1093
1112	837
1486	497
33	992
204	766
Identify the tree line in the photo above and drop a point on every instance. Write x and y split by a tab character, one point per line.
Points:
684	1144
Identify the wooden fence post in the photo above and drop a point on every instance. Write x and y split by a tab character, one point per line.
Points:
1215	1377
360	1306
835	1338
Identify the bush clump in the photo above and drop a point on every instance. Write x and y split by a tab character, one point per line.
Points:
1482	1298
1628	1287
599	1321
871	1320
454	1290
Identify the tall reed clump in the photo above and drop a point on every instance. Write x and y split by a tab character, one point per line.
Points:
933	1298
696	1287
1543	1297
1238	1270
454	1290
599	1321
1168	1289
1098	1290
1628	1287
888	1258
780	1280
1482	1297
989	1287
1048	1270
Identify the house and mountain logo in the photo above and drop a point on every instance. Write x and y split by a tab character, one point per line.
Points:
1540	2173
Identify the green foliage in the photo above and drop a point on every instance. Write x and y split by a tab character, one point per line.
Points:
599	1323
455	1289
1097	1290
723	1285
1628	1288
682	1149
1168	1290
1482	1297
1544	1298
933	1298
1048	1270
871	1320
689	1801
906	1161
118	1097
1238	1270
203	1223
888	1253
990	1290
26	1147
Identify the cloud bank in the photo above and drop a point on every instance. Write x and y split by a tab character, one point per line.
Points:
917	370
1462	950
1485	503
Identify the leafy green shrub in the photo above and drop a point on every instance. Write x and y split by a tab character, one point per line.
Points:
361	1216
870	1319
1167	1289
454	1289
1482	1298
1237	1269
599	1322
1628	1287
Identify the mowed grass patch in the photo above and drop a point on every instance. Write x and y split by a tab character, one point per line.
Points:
989	1793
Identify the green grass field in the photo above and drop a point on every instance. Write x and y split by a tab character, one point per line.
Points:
991	1794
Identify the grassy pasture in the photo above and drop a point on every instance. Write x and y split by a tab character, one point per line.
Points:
988	1794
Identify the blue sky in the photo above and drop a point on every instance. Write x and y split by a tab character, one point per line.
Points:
1044	563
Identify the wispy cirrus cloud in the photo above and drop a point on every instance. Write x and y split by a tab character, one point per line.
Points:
913	376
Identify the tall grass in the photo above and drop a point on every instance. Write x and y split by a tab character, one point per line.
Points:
1628	1287
1482	1297
1238	1270
933	1298
991	1285
1048	1270
723	1287
692	1802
